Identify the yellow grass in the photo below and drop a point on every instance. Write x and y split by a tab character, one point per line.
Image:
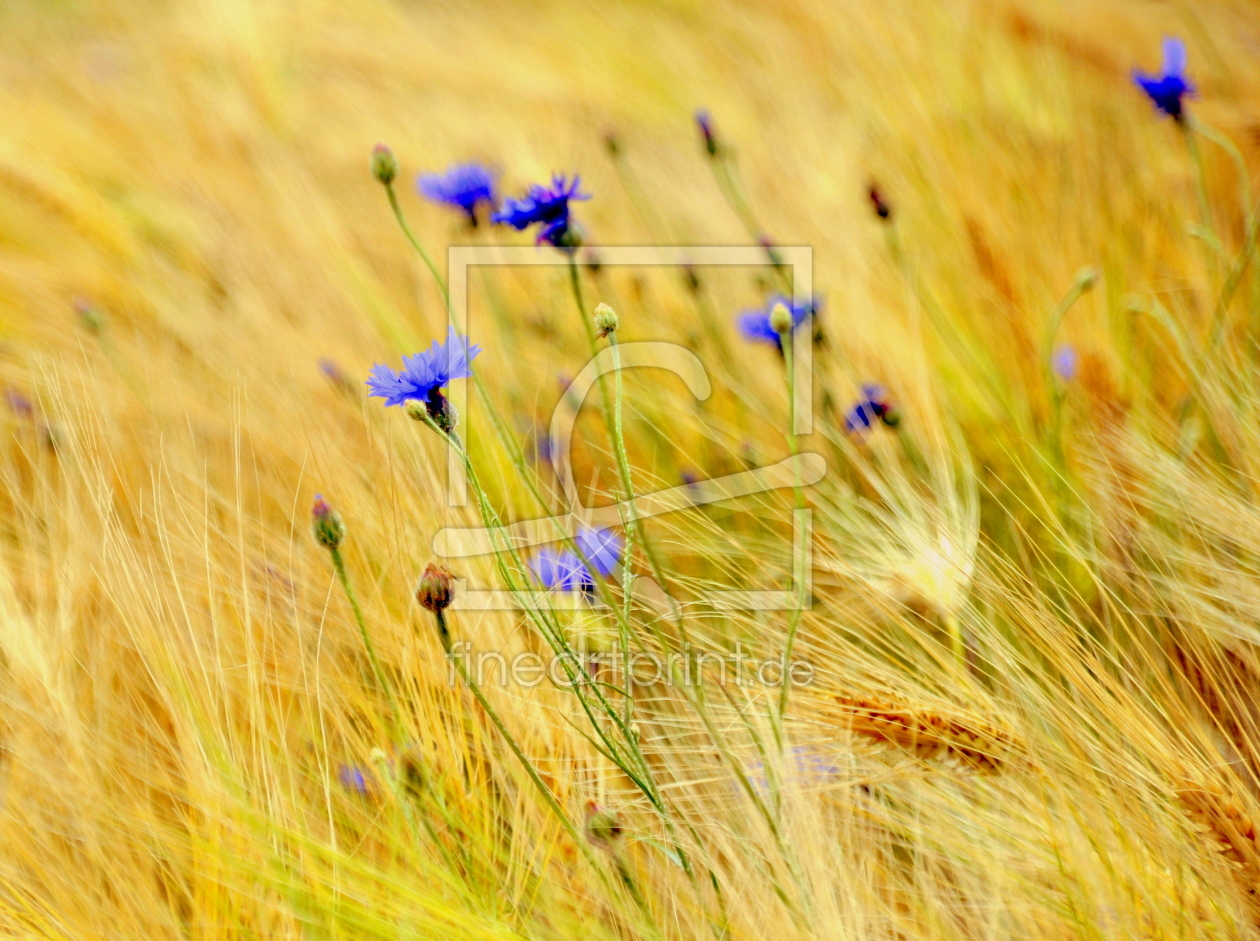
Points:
182	682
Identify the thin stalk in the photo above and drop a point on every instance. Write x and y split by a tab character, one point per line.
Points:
340	567
623	463
1200	188
794	616
415	243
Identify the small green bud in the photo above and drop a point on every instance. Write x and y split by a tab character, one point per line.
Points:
1087	277
605	320
781	319
326	524
384	164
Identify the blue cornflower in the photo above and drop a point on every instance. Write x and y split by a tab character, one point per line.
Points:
547	207
875	405
462	186
423	376
1167	90
755	324
561	570
1064	362
354	779
600	548
425	373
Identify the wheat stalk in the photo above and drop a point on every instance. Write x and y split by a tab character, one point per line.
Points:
927	734
1232	829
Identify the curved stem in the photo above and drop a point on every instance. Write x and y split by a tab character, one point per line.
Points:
340	567
415	243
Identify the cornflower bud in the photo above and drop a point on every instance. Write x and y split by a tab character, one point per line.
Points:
705	123
384	164
603	827
781	319
882	209
89	316
411	772
437	407
436	588
605	320
326	524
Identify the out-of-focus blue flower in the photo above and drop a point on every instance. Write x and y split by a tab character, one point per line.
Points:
547	207
600	548
755	324
462	186
1167	90
354	779
20	404
424	373
1064	362
561	570
876	404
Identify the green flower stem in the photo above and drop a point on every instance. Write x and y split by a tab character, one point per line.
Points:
1200	189
794	616
339	566
623	463
623	470
1084	281
415	243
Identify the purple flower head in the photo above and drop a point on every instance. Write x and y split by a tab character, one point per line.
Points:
1064	362
1167	90
547	207
462	186
875	404
704	121
755	324
561	570
600	548
425	373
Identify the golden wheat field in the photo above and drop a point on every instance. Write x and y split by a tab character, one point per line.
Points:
281	660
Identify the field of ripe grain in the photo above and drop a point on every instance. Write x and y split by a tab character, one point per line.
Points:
982	481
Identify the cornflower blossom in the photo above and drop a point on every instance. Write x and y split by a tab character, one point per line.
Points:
600	548
423	376
547	207
875	405
755	324
565	570
354	779
1064	362
463	186
561	570
1167	90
